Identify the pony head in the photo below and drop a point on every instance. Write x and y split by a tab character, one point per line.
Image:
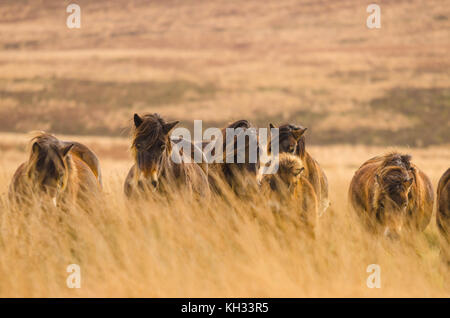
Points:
289	138
48	165
394	179
151	145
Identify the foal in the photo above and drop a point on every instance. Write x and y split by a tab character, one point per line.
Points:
292	190
292	140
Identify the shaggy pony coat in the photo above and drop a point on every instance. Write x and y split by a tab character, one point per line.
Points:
389	192
240	177
292	140
290	188
63	172
154	169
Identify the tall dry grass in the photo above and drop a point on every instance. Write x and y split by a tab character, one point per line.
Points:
231	249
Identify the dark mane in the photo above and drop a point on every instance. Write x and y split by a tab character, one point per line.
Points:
396	159
287	128
151	129
47	159
243	124
44	139
239	124
395	168
48	145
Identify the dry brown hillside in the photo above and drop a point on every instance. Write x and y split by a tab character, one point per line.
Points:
310	62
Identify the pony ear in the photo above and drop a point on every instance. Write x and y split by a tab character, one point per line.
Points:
269	150
169	126
298	133
65	150
137	120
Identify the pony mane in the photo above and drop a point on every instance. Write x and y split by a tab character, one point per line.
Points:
151	129
43	139
397	159
49	150
244	125
394	166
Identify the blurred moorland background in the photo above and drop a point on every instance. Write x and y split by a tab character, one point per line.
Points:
309	62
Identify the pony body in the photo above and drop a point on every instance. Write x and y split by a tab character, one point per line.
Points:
239	176
389	193
56	172
292	140
289	188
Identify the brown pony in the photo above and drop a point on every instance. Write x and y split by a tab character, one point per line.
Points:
292	189
389	192
59	171
241	177
154	169
292	140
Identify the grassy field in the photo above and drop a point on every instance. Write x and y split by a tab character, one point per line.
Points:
360	92
187	249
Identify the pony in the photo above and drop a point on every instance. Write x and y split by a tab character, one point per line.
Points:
292	140
390	193
154	169
239	176
290	188
61	172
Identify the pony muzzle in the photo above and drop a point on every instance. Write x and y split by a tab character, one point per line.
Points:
154	178
392	234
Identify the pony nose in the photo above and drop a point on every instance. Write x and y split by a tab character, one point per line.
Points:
154	178
392	235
